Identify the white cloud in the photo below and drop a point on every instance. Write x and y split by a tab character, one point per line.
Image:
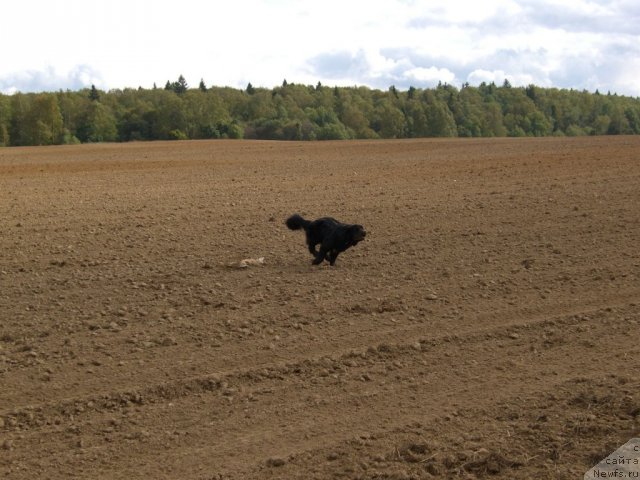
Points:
430	75
130	43
499	76
49	79
480	76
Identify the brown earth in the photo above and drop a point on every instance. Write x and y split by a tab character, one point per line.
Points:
487	327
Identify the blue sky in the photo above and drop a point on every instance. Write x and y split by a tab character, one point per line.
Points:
580	44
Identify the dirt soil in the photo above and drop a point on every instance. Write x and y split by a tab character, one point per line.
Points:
488	325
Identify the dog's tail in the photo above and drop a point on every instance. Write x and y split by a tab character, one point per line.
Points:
296	222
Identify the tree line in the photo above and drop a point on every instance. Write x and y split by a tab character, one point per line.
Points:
307	112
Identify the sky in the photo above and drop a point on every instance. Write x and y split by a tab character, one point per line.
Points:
49	45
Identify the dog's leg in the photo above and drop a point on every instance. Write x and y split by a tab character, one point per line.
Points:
332	257
311	243
320	256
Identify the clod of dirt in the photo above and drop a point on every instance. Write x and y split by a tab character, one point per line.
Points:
434	468
168	342
412	452
275	462
492	464
528	263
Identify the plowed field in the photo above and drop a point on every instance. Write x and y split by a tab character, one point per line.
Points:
488	326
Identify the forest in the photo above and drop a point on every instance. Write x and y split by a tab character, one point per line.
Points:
306	112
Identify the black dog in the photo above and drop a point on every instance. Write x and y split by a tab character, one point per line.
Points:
334	237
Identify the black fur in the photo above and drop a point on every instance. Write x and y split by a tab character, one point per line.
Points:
334	237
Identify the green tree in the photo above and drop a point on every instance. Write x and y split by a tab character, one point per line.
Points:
619	123
416	118
469	112
540	125
234	130
575	131
94	95
601	125
307	112
167	117
325	97
321	116
389	120
518	110
5	119
73	106
37	120
260	106
205	115
493	121
440	120
133	111
633	118
98	124
19	107
180	86
332	131
354	119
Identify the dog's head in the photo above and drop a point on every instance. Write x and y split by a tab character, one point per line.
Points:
357	233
